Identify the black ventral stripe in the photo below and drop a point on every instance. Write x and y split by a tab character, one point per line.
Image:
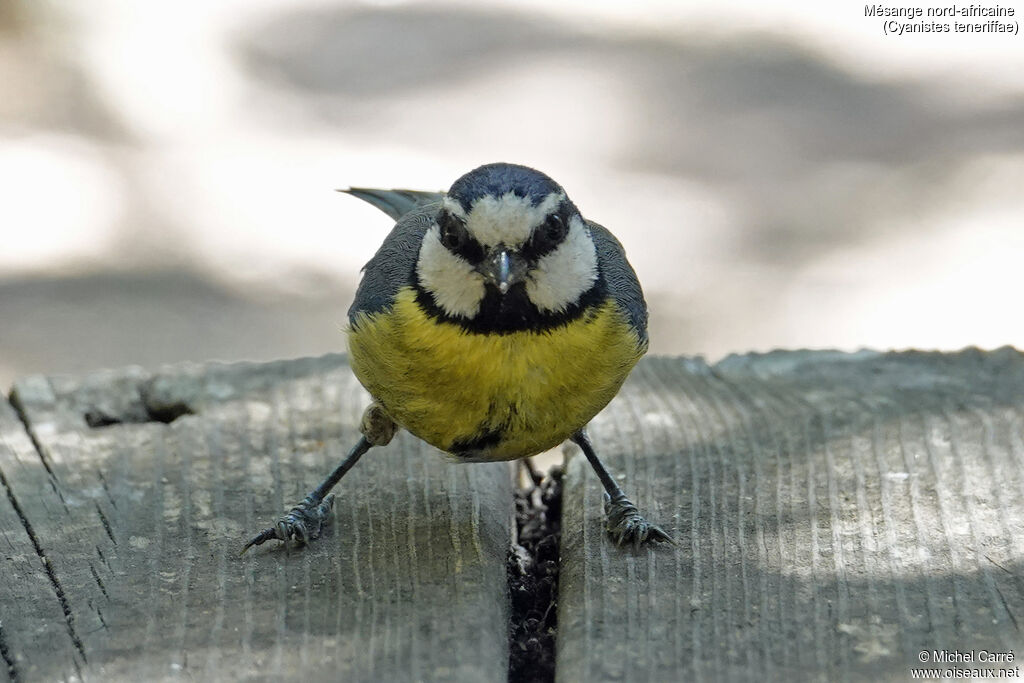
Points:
472	445
513	312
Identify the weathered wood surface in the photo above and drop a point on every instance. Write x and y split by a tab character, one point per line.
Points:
120	544
836	515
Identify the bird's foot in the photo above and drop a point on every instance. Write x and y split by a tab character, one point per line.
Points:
302	523
625	524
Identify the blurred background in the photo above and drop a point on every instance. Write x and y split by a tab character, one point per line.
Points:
781	174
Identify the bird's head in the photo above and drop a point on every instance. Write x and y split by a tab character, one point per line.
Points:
506	236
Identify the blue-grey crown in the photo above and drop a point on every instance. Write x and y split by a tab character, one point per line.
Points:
498	180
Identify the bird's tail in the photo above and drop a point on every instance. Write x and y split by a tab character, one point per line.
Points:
395	203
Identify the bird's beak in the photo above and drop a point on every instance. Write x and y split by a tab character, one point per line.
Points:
503	268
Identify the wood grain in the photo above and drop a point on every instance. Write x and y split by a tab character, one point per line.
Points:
836	514
33	624
142	523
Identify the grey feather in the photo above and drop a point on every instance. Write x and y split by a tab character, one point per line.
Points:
394	264
395	203
620	278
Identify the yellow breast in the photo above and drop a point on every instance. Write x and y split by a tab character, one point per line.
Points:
491	396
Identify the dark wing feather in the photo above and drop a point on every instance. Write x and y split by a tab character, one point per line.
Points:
394	264
620	279
395	203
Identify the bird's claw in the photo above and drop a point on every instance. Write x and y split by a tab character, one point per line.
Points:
302	523
625	524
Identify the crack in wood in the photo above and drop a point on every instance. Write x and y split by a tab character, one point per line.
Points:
99	613
7	657
106	488
106	523
99	581
19	409
1006	606
51	573
103	557
533	580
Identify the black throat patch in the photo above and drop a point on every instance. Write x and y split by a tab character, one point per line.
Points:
513	311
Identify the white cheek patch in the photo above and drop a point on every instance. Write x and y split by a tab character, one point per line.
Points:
508	219
456	286
561	276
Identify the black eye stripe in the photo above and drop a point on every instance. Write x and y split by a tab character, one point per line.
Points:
456	238
546	237
452	230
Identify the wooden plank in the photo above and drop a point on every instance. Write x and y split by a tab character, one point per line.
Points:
32	622
836	515
145	521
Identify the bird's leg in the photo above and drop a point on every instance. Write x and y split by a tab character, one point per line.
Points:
624	522
304	521
534	475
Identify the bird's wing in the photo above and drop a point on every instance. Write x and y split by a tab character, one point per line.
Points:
394	264
395	203
620	278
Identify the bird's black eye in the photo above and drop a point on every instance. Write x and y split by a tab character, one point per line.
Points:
453	231
548	235
555	228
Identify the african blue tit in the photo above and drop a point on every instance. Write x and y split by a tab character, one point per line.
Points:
493	323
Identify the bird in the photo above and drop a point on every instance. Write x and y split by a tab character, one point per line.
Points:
493	323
